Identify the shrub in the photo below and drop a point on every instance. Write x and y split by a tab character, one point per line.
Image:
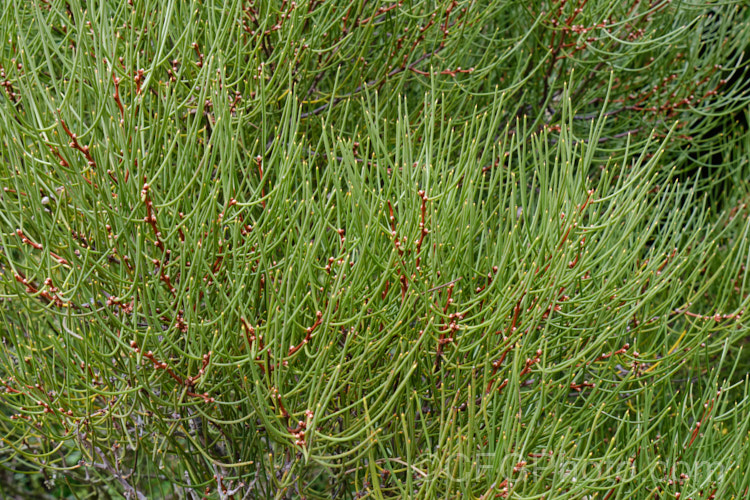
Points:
389	249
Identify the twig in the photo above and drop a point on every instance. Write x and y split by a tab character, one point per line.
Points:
130	491
442	286
370	84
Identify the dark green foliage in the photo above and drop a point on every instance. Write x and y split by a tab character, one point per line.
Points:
379	249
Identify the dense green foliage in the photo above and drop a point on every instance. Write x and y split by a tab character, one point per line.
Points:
408	249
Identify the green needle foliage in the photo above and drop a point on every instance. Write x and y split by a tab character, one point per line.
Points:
383	249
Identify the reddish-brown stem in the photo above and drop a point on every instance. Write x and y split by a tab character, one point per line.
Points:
573	262
716	317
205	396
530	363
275	395
449	300
308	334
581	386
588	200
422	229
706	413
622	350
489	281
31	288
138	79
161	365
199	54
59	259
76	145
496	366
397	243
250	335
669	257
151	220
454	72
8	388
499	387
419	71
55	152
27	241
444	28
451	327
516	311
617	480
385	292
391	218
188	382
249	332
150	214
565	238
116	96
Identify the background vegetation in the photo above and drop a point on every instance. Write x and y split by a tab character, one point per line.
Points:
408	249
